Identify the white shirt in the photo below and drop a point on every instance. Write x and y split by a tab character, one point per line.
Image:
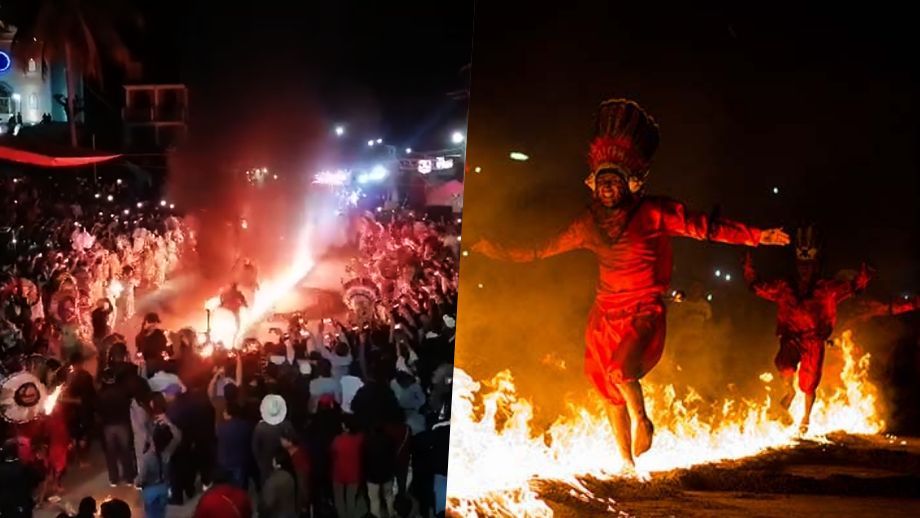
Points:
350	387
322	386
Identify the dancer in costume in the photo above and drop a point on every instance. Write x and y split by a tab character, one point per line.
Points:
805	316
630	235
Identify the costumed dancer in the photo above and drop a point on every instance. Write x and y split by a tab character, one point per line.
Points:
630	235
805	316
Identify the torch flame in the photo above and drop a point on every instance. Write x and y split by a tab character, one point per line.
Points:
51	400
495	454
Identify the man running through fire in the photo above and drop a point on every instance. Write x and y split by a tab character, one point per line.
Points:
805	317
630	235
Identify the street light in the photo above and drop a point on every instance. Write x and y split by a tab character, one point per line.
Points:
339	131
457	137
370	143
408	150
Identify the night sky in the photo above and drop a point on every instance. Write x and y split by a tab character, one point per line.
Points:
272	78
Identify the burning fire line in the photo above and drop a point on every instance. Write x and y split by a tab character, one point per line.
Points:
224	326
494	458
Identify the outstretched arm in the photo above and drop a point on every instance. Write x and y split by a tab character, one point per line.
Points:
769	290
676	220
846	289
569	239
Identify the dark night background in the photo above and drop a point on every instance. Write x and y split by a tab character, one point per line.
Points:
268	81
821	104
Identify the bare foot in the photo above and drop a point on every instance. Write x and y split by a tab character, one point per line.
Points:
642	436
803	428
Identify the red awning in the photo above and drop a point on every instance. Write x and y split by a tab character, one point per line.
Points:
43	155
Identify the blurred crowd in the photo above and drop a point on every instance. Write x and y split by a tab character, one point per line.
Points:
345	415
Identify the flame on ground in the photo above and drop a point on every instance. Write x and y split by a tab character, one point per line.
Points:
226	330
495	454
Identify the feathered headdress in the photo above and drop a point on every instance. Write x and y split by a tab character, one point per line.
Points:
806	244
625	140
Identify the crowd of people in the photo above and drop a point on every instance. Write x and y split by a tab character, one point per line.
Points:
342	415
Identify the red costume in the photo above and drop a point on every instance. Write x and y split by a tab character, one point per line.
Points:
626	327
804	323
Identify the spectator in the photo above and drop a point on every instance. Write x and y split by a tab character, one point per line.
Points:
114	409
234	445
17	483
411	399
279	493
300	461
79	402
266	439
115	508
153	476
224	499
347	469
324	384
379	466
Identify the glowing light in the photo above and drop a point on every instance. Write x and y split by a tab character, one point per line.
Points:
162	203
459	220
212	303
457	137
479	285
140	204
110	197
353	198
97	196
718	273
380	141
766	377
378	172
126	212
118	181
206	350
16	97
776	190
728	276
339	130
496	453
408	150
477	169
264	170
51	400
709	297
244	224
521	157
424	166
115	289
466	253
274	177
379	209
441	163
459	238
370	142
331	178
172	205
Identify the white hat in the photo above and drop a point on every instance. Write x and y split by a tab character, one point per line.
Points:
304	367
273	409
449	321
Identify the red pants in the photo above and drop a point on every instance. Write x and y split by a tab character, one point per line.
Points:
804	354
622	344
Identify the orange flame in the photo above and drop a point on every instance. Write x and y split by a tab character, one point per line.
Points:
493	458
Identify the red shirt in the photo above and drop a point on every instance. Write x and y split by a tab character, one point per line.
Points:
301	463
346	458
224	501
638	265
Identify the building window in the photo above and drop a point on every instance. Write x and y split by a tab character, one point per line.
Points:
32	65
33	102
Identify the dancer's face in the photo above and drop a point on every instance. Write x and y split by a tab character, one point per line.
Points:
610	189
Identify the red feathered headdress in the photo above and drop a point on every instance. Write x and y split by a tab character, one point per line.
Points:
625	140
